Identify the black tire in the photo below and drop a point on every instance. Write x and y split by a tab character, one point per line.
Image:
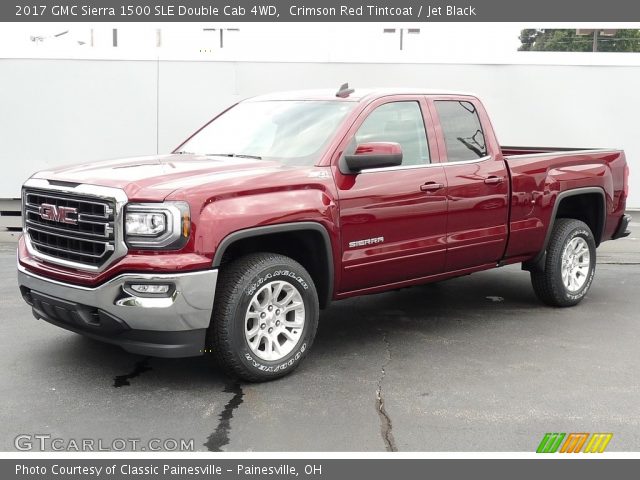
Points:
548	283
237	284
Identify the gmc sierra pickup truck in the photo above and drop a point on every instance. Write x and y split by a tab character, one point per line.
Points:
282	203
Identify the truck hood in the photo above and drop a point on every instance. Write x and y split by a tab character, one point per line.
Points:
153	178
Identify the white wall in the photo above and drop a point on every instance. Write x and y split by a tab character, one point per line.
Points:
63	111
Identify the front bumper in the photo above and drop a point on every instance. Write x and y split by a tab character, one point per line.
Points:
173	326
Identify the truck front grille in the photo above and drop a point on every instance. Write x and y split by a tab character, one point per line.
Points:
83	236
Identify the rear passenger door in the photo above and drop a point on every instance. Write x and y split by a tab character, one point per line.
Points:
477	179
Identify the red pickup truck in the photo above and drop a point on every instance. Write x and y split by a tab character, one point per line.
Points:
282	203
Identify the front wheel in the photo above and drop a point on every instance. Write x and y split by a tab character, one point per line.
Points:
265	316
569	266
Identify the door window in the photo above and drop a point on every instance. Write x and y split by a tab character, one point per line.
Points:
463	135
399	122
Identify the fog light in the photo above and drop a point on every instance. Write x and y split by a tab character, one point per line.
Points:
150	288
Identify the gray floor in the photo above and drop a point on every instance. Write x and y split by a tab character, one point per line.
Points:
470	364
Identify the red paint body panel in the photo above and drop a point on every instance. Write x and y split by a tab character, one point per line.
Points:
536	181
412	223
133	262
478	213
466	225
389	204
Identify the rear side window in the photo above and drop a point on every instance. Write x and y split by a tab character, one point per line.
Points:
462	130
399	122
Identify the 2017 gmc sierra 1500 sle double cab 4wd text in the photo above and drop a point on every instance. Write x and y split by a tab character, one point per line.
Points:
282	203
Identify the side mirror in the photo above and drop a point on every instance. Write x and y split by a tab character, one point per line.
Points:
374	155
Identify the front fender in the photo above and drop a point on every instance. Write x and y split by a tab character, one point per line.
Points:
220	218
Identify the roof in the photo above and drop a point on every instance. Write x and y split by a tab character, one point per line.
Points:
358	95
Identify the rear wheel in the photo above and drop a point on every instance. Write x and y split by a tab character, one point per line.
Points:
569	265
265	317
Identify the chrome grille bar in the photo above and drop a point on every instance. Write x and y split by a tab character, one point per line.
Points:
89	241
106	228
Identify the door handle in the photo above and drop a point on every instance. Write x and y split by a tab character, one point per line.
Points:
493	180
431	186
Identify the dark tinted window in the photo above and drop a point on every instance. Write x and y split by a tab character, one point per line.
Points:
399	122
462	131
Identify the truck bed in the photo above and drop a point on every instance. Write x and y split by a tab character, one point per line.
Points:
540	174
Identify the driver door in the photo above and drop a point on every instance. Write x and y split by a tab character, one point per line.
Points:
393	219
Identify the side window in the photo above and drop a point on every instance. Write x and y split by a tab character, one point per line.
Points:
462	130
399	122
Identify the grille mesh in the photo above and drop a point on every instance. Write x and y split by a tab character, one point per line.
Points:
88	242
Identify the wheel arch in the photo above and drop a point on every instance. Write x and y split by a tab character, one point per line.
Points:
564	207
297	240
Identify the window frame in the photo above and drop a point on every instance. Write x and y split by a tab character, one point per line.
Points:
431	139
482	118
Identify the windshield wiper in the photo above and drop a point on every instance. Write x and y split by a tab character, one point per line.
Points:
236	155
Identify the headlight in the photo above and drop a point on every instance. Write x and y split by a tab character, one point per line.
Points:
157	225
146	224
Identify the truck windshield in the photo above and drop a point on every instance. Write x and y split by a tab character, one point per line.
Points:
291	131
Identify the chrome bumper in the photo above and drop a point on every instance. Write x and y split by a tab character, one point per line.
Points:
188	308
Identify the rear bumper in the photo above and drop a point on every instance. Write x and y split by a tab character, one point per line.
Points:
622	230
170	326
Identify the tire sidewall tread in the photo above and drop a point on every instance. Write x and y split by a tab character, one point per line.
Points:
237	284
548	284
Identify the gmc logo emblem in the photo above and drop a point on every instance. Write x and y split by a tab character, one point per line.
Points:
58	214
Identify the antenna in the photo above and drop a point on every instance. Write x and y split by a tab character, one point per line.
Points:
344	91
